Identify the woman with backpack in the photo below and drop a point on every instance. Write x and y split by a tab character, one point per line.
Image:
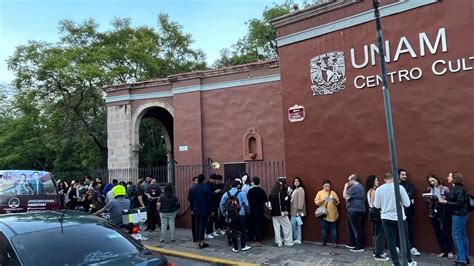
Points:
167	205
298	208
234	205
456	201
280	209
439	216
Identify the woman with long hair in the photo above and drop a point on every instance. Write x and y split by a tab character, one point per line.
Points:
280	202
456	202
298	208
439	216
167	205
329	198
378	234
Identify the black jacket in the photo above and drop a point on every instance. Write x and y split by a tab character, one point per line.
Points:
410	189
280	203
457	200
200	198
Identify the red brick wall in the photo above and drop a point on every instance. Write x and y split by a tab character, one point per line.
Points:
345	132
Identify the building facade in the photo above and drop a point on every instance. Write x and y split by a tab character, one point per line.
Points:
320	108
329	64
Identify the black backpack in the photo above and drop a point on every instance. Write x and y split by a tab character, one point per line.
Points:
470	202
232	206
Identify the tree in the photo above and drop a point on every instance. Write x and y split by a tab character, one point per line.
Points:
60	114
260	40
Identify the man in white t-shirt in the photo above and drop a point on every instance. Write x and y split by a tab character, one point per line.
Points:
385	200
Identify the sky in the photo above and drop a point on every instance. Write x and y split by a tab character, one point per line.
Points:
213	24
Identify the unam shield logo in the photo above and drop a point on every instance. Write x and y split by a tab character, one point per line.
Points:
328	73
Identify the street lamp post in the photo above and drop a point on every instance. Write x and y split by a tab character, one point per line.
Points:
390	134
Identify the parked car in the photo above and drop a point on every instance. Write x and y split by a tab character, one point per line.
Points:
68	238
27	190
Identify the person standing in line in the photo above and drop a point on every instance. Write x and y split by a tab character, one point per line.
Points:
257	199
193	217
213	207
385	200
236	219
200	198
328	197
167	205
378	235
109	196
409	211
152	193
355	204
280	202
219	217
457	202
439	215
298	208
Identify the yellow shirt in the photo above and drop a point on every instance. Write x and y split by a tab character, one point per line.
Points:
331	206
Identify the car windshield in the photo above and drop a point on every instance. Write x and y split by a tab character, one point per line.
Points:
76	245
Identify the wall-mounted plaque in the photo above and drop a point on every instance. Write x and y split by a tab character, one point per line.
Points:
296	113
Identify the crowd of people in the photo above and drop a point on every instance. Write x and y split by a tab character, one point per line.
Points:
239	207
95	197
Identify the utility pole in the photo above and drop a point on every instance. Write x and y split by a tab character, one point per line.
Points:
391	136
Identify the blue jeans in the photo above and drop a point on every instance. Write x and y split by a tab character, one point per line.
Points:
325	225
296	228
461	243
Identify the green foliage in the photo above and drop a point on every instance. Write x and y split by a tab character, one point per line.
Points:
57	118
152	149
260	40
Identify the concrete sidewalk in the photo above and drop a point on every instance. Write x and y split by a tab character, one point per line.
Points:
308	253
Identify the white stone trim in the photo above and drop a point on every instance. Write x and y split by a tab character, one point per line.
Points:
351	21
207	87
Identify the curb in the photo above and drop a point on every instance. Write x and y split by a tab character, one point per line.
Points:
193	256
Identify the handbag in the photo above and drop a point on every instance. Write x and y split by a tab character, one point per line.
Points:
322	211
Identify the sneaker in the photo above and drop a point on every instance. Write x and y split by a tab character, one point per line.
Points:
381	258
357	249
412	263
161	240
349	246
383	254
220	231
215	234
398	250
209	236
246	248
235	250
415	252
297	242
289	244
280	245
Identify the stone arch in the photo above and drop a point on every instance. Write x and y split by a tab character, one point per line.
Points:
136	120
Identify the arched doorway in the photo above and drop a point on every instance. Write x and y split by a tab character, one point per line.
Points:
152	140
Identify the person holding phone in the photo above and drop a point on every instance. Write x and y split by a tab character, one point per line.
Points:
329	197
